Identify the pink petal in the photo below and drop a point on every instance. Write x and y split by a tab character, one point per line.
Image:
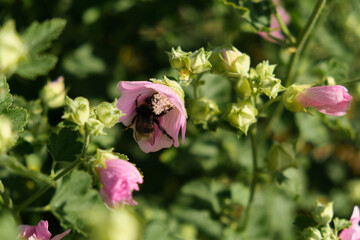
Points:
323	95
339	109
41	230
26	230
355	213
347	234
61	235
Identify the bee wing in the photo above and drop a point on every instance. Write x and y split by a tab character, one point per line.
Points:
149	136
144	129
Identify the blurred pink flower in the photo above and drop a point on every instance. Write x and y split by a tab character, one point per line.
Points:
274	24
119	179
39	232
353	233
162	114
331	100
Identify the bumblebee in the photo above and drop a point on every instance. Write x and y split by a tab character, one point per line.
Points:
148	114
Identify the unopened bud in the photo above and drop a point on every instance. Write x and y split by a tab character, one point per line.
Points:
311	233
241	115
77	110
200	61
108	113
242	87
281	156
289	97
102	155
202	109
95	127
6	134
53	93
179	59
236	63
323	214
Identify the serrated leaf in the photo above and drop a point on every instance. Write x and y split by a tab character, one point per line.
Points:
37	66
65	145
15	166
73	199
39	36
5	96
340	224
18	117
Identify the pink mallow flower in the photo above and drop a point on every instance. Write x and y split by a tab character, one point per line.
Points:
353	233
331	100
274	24
154	111
119	179
39	232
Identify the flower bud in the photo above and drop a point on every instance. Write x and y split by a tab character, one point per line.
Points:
53	93
6	134
311	233
323	214
95	127
236	63
200	61
242	87
241	115
265	79
202	109
108	113
102	155
12	48
281	156
179	59
77	110
289	97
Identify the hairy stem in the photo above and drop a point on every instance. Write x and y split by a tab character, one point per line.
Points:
282	25
254	177
64	172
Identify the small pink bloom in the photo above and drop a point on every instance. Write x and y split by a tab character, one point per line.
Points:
274	24
39	232
119	179
331	100
170	120
353	233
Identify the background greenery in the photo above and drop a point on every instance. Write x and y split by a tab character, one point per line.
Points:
200	190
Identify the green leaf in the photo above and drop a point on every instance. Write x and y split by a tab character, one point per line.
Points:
15	166
5	96
201	219
340	224
39	36
18	117
257	13
8	227
37	66
311	128
65	145
73	199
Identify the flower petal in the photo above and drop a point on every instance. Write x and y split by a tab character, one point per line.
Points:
339	109
61	235
27	230
41	230
323	95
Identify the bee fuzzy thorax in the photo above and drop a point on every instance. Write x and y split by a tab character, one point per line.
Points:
160	104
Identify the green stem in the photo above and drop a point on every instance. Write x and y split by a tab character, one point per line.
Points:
268	103
5	196
282	25
254	177
352	81
64	172
319	7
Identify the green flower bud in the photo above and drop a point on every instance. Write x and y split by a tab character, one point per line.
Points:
311	233
236	63
281	156
77	110
242	87
200	61
12	48
95	127
323	214
290	95
108	113
241	115
266	81
53	93
202	109
102	155
179	59
6	134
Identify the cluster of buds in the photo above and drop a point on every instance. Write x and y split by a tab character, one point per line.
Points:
53	93
104	115
188	64
12	48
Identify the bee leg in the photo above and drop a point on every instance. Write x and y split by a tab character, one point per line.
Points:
162	129
136	101
164	112
132	122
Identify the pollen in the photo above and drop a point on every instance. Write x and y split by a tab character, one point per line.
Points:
160	104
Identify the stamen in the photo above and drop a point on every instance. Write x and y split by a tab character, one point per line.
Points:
160	104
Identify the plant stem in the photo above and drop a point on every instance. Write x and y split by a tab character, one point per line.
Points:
319	7
64	172
282	25
254	177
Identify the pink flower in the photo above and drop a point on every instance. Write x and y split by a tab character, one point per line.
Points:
39	232
331	100
156	118
119	179
274	24
353	233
